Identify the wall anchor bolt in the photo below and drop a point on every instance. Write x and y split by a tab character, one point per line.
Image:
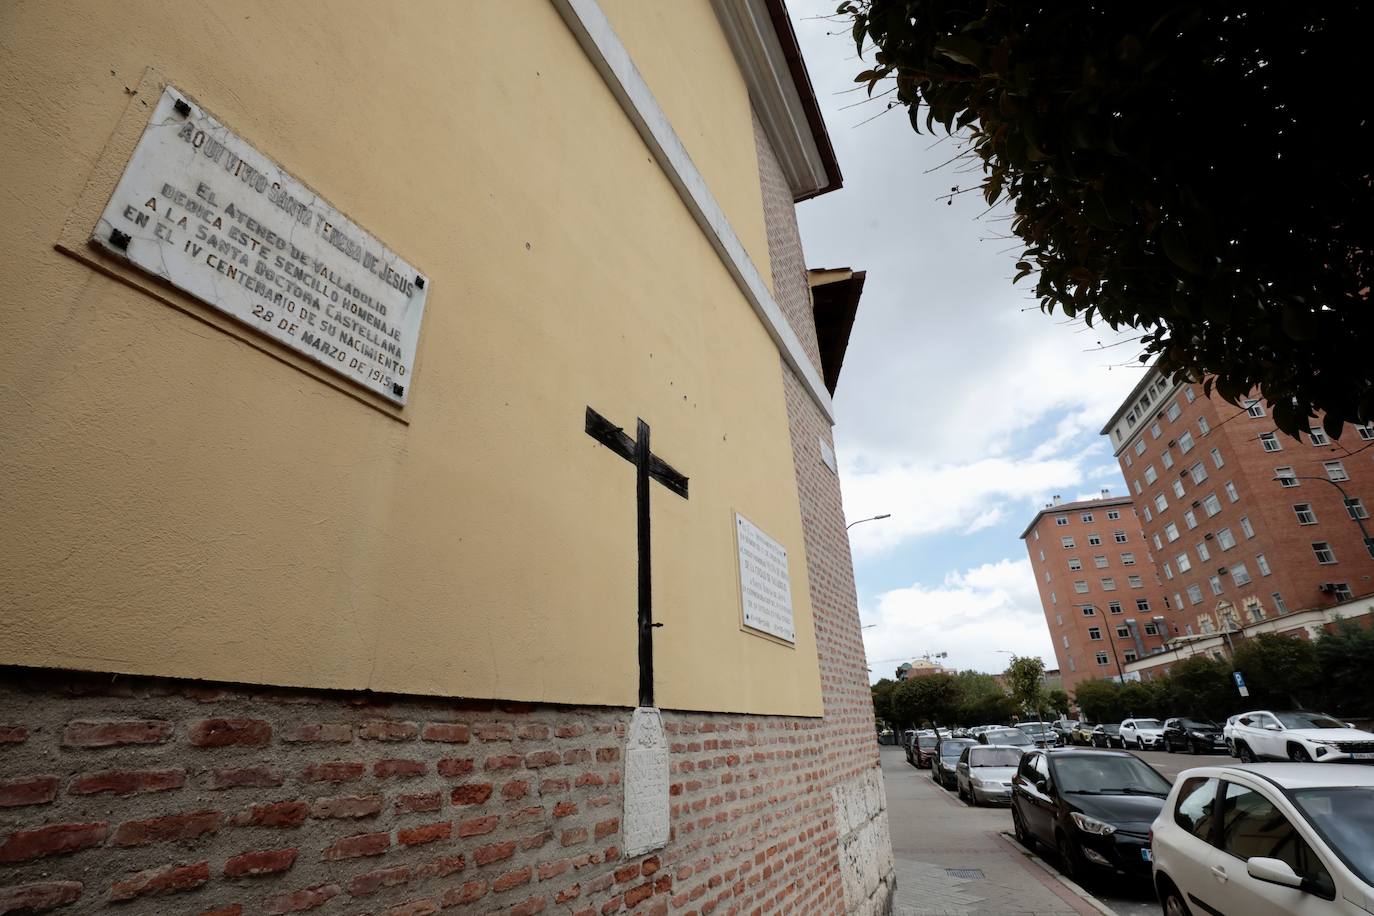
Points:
120	240
183	108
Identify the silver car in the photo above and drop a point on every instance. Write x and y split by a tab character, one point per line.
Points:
985	772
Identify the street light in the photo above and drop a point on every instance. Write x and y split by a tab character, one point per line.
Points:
870	519
1345	498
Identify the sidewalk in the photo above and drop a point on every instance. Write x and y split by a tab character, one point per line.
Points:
952	859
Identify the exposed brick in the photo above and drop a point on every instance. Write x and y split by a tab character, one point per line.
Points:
607	754
607	827
529	907
447	732
441	868
565	809
362	844
347	806
493	852
127	782
320	733
169	879
503	762
577	755
334	771
422	907
576	730
467	893
493	732
167	828
18	734
429	833
419	802
528	815
238	732
627	873
52	840
39	897
233	909
637	895
510	879
571	892
532	732
472	794
650	866
515	789
402	769
370	882
540	759
590	779
574	836
260	862
387	730
536	840
553	786
477	826
30	790
455	766
115	732
254	777
297	901
274	814
612	905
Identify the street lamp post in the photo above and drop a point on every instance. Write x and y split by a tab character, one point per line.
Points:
873	518
1345	498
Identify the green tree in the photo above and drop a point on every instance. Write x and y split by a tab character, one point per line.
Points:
1346	658
1200	687
930	698
1026	683
982	701
882	700
1279	670
1058	701
1244	254
1100	701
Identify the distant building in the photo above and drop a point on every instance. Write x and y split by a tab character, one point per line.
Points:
920	668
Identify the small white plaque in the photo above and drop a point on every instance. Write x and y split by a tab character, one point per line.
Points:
646	823
765	587
827	455
202	209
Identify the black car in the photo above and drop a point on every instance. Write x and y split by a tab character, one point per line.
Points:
1196	736
1107	735
1094	808
946	758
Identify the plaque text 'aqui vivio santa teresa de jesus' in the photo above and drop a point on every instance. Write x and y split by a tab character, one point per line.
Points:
764	583
202	209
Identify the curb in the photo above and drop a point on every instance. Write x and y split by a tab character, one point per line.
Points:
1075	888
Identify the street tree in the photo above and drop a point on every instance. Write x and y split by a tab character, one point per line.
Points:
1279	669
1198	172
1026	682
882	700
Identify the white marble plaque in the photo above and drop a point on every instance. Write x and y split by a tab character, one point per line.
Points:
646	821
202	209
765	587
827	455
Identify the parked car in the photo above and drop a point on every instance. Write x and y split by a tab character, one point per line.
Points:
1013	737
1041	733
922	750
942	765
1267	840
1142	733
1106	735
1196	736
1082	733
984	773
1227	731
1065	729
1299	736
907	737
1093	808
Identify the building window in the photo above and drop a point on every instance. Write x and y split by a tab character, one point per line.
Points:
1211	504
1208	628
1178	489
1081	586
1128	559
1120	537
1059	619
1185	443
1231	492
1100	562
1151	629
1155	431
1037	537
1135	582
1335	470
1047	575
1161	503
1126	457
1150	475
1142	604
1217	461
1129	655
1171	532
1195	594
1108	584
1066	542
1123	632
1278	603
1149	516
1168	570
1256	612
1203	426
1203	554
1140	447
1189	519
1226	539
1253	407
1240	575
1341	591
1061	519
1262	564
1182	563
1173	412
1215	582
1286	477
1188	395
1325	555
1246	527
1094	540
1159	545
1318	436
1114	607
1086	517
1066	640
1305	514
1199	472
1054	599
1355	508
1095	633
1366	432
1166	459
1178	600
1075	564
1136	484
1270	442
1073	666
1101	659
1113	515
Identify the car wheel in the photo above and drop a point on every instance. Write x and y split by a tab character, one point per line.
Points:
1168	746
1244	753
1196	749
1172	900
1298	754
1022	834
1070	859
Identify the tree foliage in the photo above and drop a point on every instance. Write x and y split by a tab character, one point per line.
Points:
882	700
1199	172
1279	670
1026	682
1346	658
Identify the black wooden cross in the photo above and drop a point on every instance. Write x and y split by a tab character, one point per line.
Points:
647	465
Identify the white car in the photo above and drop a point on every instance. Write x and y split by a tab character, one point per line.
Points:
1228	729
1142	734
1267	839
1299	736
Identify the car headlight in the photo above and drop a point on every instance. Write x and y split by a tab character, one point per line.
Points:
1092	825
1325	742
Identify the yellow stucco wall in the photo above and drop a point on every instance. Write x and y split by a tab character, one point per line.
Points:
180	501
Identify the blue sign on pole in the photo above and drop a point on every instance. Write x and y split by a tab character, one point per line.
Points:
1240	681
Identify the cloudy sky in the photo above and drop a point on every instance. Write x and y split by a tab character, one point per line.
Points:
962	408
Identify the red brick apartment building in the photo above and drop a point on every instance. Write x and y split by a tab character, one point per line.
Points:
1098	585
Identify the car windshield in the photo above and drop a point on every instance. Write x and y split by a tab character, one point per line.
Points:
1008	736
950	750
1199	724
1147	723
1345	819
994	757
1306	720
1112	729
1108	774
927	740
1034	728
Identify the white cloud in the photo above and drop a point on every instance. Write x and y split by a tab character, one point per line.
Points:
971	615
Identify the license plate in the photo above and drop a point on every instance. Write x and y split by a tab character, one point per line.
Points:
1147	855
1363	756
